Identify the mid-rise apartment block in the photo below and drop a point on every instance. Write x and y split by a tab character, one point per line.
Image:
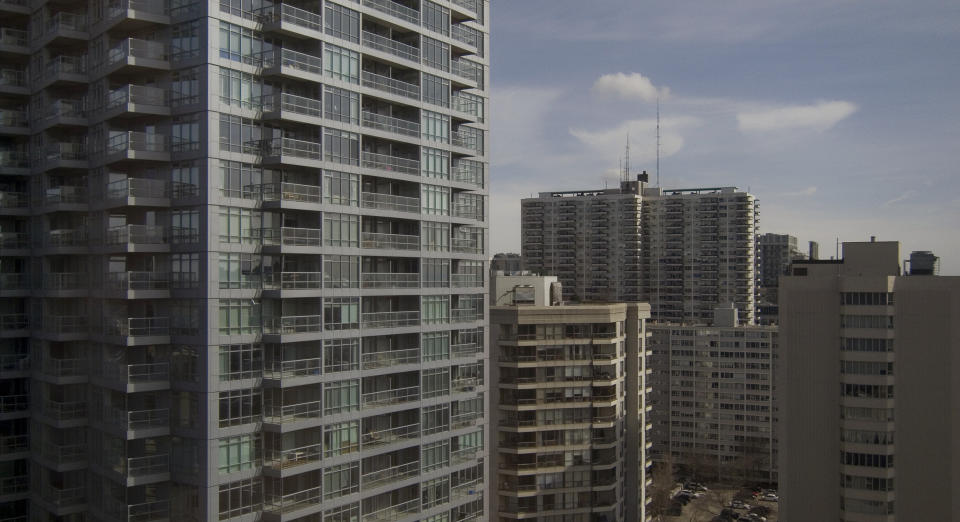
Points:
868	390
569	420
714	413
683	251
243	249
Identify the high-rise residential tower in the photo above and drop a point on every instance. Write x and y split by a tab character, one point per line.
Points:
868	390
569	422
683	251
242	259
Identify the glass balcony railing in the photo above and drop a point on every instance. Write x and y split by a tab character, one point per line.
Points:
390	319
466	69
63	367
148	511
395	512
467	246
64	21
13	118
292	236
465	140
467	210
394	9
288	192
467	35
288	58
284	13
290	369
385	397
293	501
466	280
118	8
462	420
390	85
14	321
64	64
63	453
389	241
64	108
14	37
288	458
138	373
13	77
137	326
470	5
373	160
136	48
138	419
389	280
390	124
65	411
390	435
137	94
389	46
278	413
14	362
137	141
293	324
382	476
369	361
465	349
66	324
291	147
14	240
294	281
379	201
66	281
14	403
282	101
64	151
138	188
136	235
14	281
62	497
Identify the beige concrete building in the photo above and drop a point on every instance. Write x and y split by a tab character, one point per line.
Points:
713	405
568	420
869	398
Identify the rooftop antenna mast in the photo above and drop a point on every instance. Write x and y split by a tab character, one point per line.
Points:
658	140
626	166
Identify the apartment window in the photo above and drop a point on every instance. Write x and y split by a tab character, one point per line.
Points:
866	368
435	455
341	439
341	188
436	346
185	364
860	344
240	44
470	273
185	226
435	126
341	396
239	316
185	316
874	507
442	517
866	391
868	414
341	480
240	361
341	355
342	22
185	270
470	104
341	313
240	270
243	180
867	298
435	273
471	137
474	441
436	54
341	64
435	492
435	163
435	309
468	308
240	497
185	133
867	483
240	89
867	437
866	321
185	40
239	453
341	105
185	176
870	460
436	90
435	382
341	230
435	236
436	17
434	200
341	147
341	271
185	86
346	513
240	225
240	407
434	419
239	134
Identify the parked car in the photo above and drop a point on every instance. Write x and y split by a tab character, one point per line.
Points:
771	497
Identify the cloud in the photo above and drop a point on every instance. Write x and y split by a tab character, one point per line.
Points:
633	85
809	191
610	143
819	116
902	197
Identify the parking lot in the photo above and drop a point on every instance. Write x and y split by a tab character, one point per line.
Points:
712	503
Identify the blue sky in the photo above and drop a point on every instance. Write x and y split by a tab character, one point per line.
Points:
841	116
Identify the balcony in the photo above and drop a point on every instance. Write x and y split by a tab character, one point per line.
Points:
372	160
294	281
465	349
72	369
467	106
65	112
13	81
390	124
136	54
467	211
290	192
466	141
392	47
133	145
136	238
390	319
66	411
136	191
280	504
65	196
466	35
65	281
63	497
288	458
394	9
468	70
395	512
466	246
148	511
15	6
389	241
13	282
139	470
65	327
390	435
14	121
139	377
387	397
292	64
285	106
294	324
387	358
14	406
470	5
466	384
466	280
66	155
13	444
63	454
389	280
136	99
292	236
12	364
465	419
14	240
137	326
289	20
138	420
279	414
63	25
396	473
390	85
375	200
290	151
65	69
293	369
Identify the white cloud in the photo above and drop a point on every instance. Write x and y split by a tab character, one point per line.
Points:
819	116
632	85
609	144
902	197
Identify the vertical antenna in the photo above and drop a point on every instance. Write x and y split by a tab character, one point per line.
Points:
658	140
626	167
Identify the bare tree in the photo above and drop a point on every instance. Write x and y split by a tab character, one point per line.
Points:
662	490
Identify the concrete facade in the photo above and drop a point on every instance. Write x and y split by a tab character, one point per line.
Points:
568	427
243	252
869	405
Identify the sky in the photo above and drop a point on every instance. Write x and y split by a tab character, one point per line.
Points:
841	116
